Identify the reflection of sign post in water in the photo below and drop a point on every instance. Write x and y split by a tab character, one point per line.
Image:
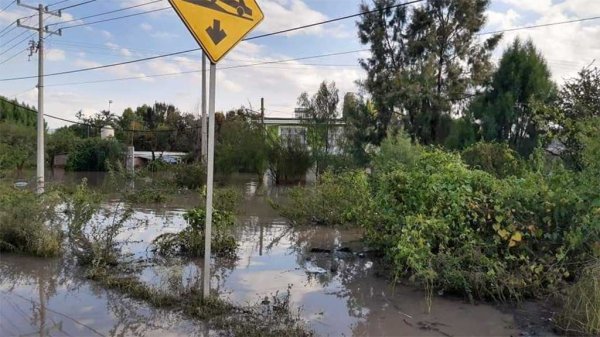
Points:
217	25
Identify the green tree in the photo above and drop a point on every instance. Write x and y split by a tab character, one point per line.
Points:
514	109
241	146
360	117
579	102
423	60
320	113
17	146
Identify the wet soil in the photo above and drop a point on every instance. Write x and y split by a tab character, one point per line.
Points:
334	282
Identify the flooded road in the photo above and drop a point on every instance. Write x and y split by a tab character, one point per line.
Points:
333	280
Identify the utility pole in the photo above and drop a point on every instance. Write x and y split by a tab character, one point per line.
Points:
262	110
40	118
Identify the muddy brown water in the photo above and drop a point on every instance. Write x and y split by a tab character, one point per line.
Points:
337	289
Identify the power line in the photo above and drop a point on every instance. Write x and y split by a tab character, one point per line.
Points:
539	26
77	5
9	4
105	13
219	69
117	18
262	36
58	3
18	43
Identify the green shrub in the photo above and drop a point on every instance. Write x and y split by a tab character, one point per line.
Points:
452	228
289	161
580	314
190	241
342	199
29	223
495	158
191	176
93	229
95	154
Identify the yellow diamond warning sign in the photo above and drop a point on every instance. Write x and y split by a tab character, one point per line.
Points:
218	25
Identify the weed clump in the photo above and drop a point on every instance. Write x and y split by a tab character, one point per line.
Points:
30	223
336	200
580	314
190	241
271	318
93	229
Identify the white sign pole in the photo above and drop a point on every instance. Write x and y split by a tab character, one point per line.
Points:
209	178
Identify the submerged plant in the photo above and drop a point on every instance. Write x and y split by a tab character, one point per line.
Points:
190	241
93	229
30	223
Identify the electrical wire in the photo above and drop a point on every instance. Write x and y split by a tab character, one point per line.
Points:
77	5
117	18
262	36
539	26
58	3
18	43
219	69
105	13
6	7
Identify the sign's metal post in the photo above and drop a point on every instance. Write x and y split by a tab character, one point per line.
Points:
209	178
224	24
204	139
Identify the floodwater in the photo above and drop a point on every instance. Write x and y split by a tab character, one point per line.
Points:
332	277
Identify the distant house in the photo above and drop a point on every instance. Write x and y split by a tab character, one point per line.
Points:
296	129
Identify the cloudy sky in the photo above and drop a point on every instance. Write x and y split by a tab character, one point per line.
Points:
566	47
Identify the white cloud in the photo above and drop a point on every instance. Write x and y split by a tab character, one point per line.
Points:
566	47
125	52
55	55
280	14
146	26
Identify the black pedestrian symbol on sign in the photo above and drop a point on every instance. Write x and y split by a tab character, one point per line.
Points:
239	6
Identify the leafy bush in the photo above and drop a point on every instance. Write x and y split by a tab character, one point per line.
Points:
495	158
17	146
29	223
580	314
190	241
95	154
93	230
336	200
451	228
190	176
289	161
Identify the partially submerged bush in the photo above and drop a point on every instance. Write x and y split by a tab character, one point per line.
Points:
460	230
190	241
342	199
95	154
93	229
29	223
191	176
580	314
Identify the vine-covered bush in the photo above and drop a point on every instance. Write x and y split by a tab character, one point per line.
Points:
495	158
462	230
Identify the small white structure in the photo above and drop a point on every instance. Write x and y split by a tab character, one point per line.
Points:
107	132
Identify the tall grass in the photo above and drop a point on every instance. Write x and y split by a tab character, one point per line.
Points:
29	223
581	311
